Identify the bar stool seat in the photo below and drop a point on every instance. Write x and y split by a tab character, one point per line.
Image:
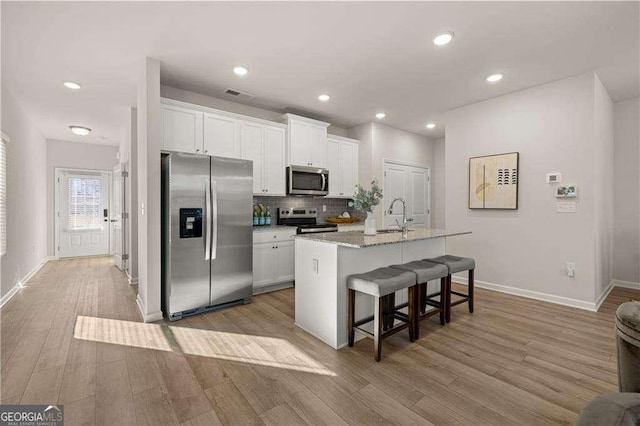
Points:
457	264
426	271
381	283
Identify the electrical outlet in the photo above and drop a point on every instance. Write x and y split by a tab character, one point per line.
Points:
315	266
571	269
324	208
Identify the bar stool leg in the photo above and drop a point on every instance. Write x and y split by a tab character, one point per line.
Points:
390	312
443	300
377	328
413	321
351	314
423	297
448	299
471	290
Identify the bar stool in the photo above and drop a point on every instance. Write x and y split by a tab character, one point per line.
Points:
426	271
381	283
457	264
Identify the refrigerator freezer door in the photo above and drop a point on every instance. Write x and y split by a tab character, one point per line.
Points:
232	230
186	180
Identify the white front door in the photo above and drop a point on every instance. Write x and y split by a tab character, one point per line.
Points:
410	183
82	212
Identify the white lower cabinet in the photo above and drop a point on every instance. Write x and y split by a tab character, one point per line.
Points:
273	260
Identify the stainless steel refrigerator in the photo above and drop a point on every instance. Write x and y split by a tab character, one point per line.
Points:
206	233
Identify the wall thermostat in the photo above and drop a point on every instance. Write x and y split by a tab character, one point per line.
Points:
567	191
554	177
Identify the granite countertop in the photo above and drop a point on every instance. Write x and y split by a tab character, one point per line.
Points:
357	239
273	228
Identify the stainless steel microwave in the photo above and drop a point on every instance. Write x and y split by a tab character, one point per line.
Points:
303	180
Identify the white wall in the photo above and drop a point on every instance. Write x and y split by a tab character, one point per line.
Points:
438	185
552	127
603	186
72	155
626	237
149	140
235	107
379	142
26	192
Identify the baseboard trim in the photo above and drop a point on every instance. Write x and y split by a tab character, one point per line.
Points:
604	295
559	300
16	288
626	284
154	316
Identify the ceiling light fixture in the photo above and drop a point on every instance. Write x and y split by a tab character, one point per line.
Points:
430	125
239	70
381	115
80	130
493	78
324	98
441	39
72	85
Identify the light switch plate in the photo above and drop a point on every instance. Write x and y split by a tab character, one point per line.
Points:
566	207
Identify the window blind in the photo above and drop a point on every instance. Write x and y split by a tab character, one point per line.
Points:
85	203
3	197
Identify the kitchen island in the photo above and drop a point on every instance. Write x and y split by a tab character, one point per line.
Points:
324	261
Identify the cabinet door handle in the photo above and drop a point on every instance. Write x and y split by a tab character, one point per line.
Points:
197	150
206	151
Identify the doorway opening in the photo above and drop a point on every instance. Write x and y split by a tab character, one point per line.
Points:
82	212
412	183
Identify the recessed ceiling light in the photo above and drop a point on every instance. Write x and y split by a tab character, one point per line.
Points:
430	125
239	70
441	39
80	130
324	98
72	85
493	78
381	115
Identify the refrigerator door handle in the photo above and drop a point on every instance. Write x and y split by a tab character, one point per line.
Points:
214	227
207	219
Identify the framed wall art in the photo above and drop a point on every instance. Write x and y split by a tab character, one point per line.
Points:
493	181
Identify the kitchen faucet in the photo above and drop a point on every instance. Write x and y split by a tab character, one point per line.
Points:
405	220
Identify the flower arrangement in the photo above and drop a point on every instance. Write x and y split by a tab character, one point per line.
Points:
364	200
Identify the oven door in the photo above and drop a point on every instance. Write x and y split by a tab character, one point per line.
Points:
307	181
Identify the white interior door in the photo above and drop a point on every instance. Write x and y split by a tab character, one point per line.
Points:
410	183
117	207
82	213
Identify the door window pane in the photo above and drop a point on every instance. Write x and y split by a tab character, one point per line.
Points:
85	203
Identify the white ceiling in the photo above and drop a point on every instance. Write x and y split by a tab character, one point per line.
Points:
369	56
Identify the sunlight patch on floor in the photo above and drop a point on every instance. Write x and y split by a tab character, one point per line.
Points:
244	348
118	332
257	350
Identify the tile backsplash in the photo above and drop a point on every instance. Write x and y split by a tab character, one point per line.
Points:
335	206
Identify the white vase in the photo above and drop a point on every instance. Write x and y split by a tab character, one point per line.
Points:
370	224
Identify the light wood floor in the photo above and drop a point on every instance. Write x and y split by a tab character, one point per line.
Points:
514	361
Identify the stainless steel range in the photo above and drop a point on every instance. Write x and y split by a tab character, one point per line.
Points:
306	219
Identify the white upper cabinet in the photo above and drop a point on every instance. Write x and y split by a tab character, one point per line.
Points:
274	164
221	136
342	162
265	146
251	141
181	129
306	142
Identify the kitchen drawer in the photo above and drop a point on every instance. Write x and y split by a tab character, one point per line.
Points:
268	236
